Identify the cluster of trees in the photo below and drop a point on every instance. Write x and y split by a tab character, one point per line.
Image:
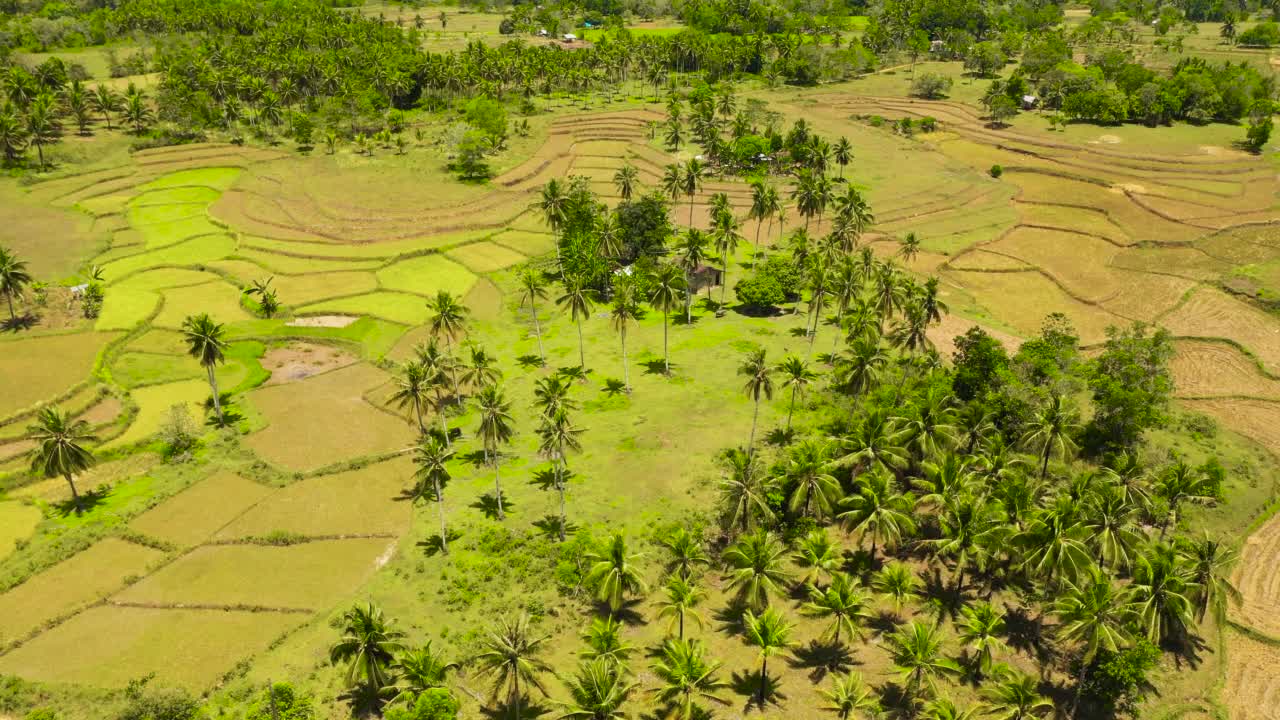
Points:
36	105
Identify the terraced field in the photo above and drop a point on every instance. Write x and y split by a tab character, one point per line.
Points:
1102	235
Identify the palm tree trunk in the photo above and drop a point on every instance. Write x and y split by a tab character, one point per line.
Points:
755	417
1084	676
666	352
626	374
1044	465
581	346
690	209
213	385
497	483
444	536
13	317
764	676
75	496
444	425
564	519
688	302
724	283
417	409
791	407
40	152
759	224
537	329
682	624
515	677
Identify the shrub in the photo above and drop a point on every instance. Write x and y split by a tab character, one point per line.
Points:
769	284
928	124
996	171
143	703
931	86
1258	134
178	434
1263	34
433	704
288	704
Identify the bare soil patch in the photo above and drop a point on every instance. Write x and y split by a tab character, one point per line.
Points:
1252	690
323	321
298	361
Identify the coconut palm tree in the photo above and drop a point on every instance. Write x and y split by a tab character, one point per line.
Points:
557	435
686	552
60	448
449	321
744	492
510	657
1163	593
817	556
1211	563
105	101
814	491
980	631
413	389
480	368
577	299
604	642
1111	524
844	603
368	646
613	573
1050	431
687	677
623	311
1181	483
796	376
42	124
207	344
692	247
691	181
764	205
421	670
625	179
14	279
759	374
916	650
757	570
496	429
771	633
898	583
726	235
432	457
843	152
1015	697
667	287
435	369
877	508
553	203
681	596
673	181
1093	614
850	694
533	287
909	247
598	691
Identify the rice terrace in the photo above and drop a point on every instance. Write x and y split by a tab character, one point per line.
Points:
870	359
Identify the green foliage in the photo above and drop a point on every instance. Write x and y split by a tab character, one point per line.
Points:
1264	34
1119	682
980	363
489	117
431	704
995	171
1131	384
281	702
931	86
644	226
770	284
143	702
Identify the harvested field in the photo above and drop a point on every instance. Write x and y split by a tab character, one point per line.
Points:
1207	369
271	262
193	516
426	275
27	376
52	241
485	257
191	252
1252	689
943	335
1187	261
1257	579
397	307
109	646
298	290
1255	419
219	299
309	575
324	419
364	501
70	585
154	402
1213	313
1039	297
298	361
985	261
1077	262
323	321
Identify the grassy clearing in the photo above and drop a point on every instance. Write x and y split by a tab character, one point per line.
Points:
308	575
194	515
359	501
219	299
70	585
35	369
109	646
427	275
154	402
324	419
17	521
374	337
397	307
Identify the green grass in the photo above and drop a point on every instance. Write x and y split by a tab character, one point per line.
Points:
154	402
132	369
219	299
35	369
191	252
397	307
110	646
194	515
361	251
289	264
53	242
427	275
218	178
71	585
163	278
486	257
359	501
123	309
298	290
307	575
202	195
17	522
374	337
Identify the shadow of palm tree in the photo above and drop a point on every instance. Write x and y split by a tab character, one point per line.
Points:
506	710
821	658
549	526
25	321
1026	633
748	685
657	367
945	598
488	504
88	501
730	618
613	387
474	458
780	437
884	622
432	545
529	362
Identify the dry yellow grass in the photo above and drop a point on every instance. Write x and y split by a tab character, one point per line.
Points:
1212	313
197	513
